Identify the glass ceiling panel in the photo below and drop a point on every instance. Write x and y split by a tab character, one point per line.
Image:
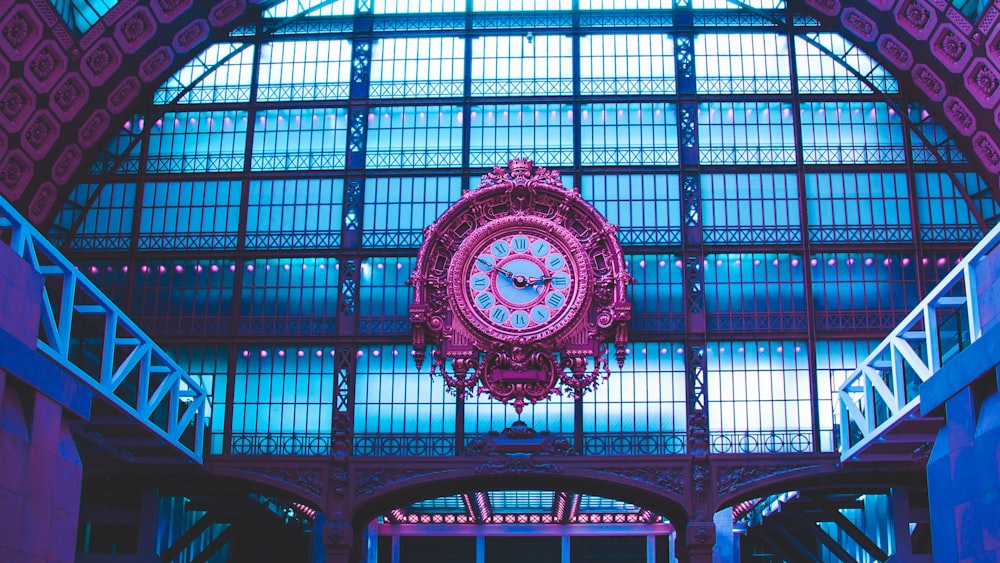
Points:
626	4
819	73
590	503
521	502
294	7
229	82
737	4
450	505
81	15
288	172
520	5
418	6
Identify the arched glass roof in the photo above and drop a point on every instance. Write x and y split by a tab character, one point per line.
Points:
261	215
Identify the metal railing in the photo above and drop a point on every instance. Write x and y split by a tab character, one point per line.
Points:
83	331
885	388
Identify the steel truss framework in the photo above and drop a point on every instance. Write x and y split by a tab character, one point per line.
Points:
879	402
87	334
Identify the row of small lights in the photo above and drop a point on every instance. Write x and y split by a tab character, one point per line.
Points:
395	352
941	262
795	262
302	353
215	268
227	121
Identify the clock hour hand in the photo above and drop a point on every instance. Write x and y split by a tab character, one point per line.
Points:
542	280
495	267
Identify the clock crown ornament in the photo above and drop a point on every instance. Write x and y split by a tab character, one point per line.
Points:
518	288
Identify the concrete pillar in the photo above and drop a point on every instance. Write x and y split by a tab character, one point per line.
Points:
338	539
698	543
40	469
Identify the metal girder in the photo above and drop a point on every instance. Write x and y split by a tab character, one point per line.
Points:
831	513
216	544
796	544
881	397
85	333
808	524
188	536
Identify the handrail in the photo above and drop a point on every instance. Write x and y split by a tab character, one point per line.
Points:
885	387
83	331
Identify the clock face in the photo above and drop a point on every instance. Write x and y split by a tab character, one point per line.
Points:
520	280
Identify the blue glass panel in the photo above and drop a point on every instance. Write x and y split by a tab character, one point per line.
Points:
417	6
543	133
417	67
291	8
111	277
862	291
747	63
287	214
645	208
641	408
400	410
627	64
750	209
305	70
629	134
190	215
625	4
943	214
940	141
521	502
398	209
835	360
115	157
228	83
727	5
415	137
760	399
208	141
283	400
755	292
289	296
209	366
658	293
384	298
81	15
819	73
851	133
517	65
519	5
590	503
858	207
107	224
483	414
300	139
184	297
937	264
441	505
746	133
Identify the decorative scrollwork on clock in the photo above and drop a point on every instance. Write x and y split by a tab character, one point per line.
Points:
518	287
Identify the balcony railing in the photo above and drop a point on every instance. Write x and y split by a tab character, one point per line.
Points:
89	336
885	389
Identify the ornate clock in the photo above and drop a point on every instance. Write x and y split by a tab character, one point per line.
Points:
518	287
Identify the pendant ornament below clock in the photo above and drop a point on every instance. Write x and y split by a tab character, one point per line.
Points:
518	287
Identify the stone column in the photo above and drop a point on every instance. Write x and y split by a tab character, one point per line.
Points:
695	543
40	469
338	539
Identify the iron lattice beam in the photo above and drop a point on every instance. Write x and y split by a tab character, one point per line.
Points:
85	333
